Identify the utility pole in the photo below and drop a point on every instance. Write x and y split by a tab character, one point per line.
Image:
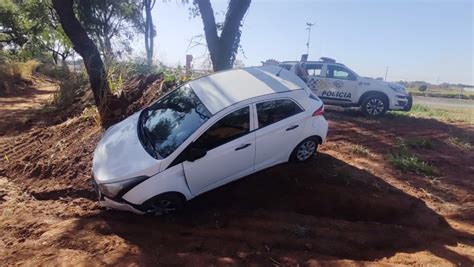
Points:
386	72
309	24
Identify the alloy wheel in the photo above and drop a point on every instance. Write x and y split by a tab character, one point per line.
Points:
375	106
162	207
306	150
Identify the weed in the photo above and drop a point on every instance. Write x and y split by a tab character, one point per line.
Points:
462	143
359	149
91	113
406	161
416	142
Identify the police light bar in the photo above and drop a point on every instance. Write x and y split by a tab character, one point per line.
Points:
326	59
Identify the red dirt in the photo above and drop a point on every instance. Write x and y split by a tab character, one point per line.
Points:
339	208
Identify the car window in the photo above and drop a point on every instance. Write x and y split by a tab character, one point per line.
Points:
314	69
276	110
232	126
171	120
338	72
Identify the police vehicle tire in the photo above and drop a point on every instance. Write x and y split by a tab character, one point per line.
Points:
164	204
305	150
374	105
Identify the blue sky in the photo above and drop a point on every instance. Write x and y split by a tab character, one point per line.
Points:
418	40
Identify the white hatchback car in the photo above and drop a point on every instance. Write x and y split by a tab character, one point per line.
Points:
204	134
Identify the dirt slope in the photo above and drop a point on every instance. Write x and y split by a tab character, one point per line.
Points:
339	208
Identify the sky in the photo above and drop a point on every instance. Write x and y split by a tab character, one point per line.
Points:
431	41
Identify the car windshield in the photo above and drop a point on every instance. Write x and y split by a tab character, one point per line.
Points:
166	124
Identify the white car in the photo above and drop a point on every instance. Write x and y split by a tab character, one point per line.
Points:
338	85
204	134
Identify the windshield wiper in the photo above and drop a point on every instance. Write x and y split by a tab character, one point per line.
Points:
146	135
149	141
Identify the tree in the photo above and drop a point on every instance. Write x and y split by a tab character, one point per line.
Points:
223	48
32	27
149	30
88	51
109	21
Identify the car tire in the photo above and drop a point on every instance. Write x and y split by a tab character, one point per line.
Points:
304	150
374	106
164	204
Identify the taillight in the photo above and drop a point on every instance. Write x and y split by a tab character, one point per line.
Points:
319	111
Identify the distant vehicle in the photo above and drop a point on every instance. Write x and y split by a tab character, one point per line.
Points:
338	85
204	134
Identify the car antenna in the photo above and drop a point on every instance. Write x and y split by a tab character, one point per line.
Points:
278	74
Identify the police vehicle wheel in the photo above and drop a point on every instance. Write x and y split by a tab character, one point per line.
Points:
374	106
164	204
304	150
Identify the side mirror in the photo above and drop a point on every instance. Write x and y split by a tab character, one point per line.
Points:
195	153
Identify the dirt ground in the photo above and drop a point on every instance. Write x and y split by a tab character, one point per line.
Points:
340	208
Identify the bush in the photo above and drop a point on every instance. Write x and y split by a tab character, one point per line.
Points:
53	71
69	89
423	88
408	162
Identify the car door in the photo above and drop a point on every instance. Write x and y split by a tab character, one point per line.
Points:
315	71
339	85
280	123
230	146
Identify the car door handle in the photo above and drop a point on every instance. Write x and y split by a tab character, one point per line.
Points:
292	127
242	146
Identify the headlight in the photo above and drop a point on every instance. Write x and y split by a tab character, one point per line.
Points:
121	187
397	88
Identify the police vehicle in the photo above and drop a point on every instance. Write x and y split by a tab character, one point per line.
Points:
338	85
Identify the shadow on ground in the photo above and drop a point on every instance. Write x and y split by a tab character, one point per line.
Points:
288	213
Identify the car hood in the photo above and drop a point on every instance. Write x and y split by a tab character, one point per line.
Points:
379	82
119	155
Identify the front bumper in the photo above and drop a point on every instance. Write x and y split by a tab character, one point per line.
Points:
403	102
110	203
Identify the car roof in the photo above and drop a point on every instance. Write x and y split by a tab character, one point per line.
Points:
311	62
222	89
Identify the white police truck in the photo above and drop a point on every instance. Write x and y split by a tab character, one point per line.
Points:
338	85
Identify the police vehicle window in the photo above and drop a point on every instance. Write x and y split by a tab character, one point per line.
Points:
314	69
276	110
338	72
232	126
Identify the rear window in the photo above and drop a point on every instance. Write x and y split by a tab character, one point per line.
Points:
273	111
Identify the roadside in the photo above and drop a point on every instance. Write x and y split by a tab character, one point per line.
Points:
443	102
349	205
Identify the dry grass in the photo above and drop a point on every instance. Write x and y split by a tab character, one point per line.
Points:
359	149
439	113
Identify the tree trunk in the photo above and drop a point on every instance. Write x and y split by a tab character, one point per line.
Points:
149	30
224	48
83	45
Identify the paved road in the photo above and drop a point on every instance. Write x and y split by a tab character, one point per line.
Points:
443	102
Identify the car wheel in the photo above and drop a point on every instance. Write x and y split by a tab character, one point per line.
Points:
304	150
374	106
164	204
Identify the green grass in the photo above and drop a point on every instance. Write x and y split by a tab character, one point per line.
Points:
415	142
405	161
439	113
462	143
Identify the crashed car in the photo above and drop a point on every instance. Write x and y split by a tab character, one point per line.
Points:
338	85
204	134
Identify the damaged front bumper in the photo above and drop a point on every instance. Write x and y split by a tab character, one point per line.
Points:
110	203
